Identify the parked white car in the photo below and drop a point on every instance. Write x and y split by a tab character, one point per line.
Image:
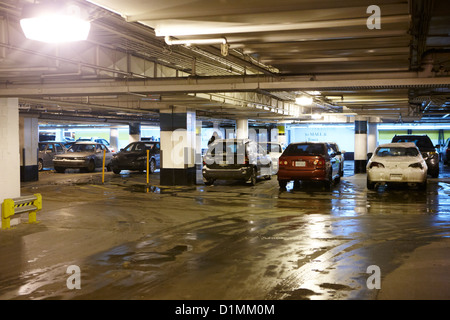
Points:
397	163
274	150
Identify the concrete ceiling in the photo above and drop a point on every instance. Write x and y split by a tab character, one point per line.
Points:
128	69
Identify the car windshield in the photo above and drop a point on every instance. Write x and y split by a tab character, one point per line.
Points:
226	147
270	147
420	142
139	146
397	152
82	148
306	149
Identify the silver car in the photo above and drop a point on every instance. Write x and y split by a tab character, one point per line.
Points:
47	151
86	156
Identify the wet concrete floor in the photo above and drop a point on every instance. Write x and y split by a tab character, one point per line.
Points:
229	240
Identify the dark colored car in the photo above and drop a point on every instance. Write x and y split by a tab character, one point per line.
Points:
445	152
427	149
134	157
85	156
47	150
309	161
235	159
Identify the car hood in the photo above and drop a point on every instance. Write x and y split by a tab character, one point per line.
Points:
396	160
76	154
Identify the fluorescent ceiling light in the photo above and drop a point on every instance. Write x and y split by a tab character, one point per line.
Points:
304	100
54	22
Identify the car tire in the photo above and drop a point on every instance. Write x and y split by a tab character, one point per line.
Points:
91	166
370	185
116	170
282	184
253	177
328	184
60	170
152	166
208	182
423	185
40	165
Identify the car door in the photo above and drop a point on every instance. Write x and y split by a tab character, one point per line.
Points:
263	161
334	161
48	155
157	154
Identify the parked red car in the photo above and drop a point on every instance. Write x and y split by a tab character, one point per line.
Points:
313	161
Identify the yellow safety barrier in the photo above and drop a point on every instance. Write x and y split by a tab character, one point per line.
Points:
27	204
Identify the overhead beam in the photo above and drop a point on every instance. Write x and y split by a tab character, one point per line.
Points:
187	85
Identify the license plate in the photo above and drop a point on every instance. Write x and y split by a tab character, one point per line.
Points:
300	163
396	177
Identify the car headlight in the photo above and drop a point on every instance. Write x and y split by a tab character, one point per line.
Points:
416	165
376	165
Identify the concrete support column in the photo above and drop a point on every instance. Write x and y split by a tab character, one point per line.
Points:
372	139
114	138
242	128
177	147
134	132
282	135
28	142
360	145
9	149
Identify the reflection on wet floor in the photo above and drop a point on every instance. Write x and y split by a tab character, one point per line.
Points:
245	242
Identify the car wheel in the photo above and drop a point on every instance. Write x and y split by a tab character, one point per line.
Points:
91	166
40	165
282	184
152	166
423	185
370	185
60	170
208	182
116	170
328	184
253	177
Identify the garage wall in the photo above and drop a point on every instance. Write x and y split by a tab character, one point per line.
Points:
342	134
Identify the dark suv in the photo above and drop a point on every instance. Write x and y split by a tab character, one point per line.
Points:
235	159
428	151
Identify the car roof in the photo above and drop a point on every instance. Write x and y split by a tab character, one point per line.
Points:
86	142
398	144
232	140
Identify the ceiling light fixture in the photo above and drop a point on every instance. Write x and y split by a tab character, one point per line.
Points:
304	100
55	22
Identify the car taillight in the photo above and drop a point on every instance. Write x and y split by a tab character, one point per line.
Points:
416	165
282	162
246	160
376	165
320	163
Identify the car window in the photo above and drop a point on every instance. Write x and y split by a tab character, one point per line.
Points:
305	149
50	147
420	142
226	147
397	152
82	148
271	147
58	147
261	150
42	146
130	147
